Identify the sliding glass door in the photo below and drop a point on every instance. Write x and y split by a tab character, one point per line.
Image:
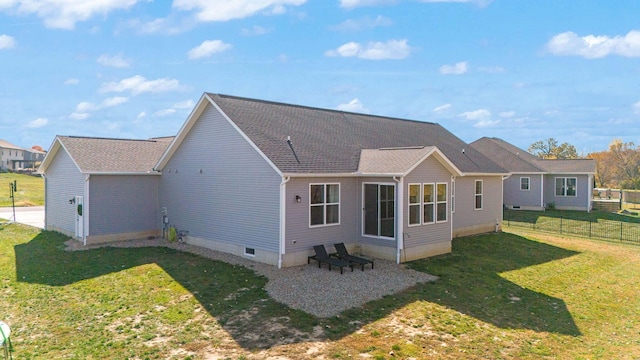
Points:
379	210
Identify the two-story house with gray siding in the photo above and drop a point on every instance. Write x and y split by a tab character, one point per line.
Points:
536	183
267	181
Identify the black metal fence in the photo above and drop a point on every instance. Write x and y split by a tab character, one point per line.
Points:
588	227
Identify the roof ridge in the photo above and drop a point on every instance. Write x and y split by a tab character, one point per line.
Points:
106	138
308	107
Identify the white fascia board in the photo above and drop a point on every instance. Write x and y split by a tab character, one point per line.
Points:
441	158
55	147
492	174
148	173
182	133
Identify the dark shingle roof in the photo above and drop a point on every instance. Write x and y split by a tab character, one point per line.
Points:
517	160
330	141
104	155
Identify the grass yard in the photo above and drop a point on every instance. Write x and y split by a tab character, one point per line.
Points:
30	190
500	296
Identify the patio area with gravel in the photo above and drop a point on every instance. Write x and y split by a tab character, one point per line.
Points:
314	290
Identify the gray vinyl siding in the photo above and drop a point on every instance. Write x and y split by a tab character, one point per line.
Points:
430	171
300	236
123	204
218	187
465	213
64	182
513	196
578	202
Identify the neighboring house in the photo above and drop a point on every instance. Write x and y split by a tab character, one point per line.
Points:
10	155
537	183
101	190
268	181
33	158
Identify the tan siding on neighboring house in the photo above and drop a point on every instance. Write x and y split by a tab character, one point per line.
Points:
63	181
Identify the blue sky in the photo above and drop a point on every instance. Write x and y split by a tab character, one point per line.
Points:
518	70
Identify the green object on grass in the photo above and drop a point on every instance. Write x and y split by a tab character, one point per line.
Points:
172	233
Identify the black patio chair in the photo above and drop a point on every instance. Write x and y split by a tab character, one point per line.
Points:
344	255
322	257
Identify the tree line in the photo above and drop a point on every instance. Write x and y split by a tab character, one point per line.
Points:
616	167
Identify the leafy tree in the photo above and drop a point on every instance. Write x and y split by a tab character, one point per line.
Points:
605	169
549	149
626	158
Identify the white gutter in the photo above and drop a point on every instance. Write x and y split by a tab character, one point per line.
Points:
283	217
85	209
400	218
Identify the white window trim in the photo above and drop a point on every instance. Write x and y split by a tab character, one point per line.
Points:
433	203
453	195
324	206
446	201
395	210
418	204
565	187
528	183
247	253
476	194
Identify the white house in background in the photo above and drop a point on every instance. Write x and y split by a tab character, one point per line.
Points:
268	180
536	183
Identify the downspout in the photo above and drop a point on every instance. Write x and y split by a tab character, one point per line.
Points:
542	191
283	217
400	218
85	210
45	200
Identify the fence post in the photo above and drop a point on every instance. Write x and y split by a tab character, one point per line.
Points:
590	220
621	230
560	224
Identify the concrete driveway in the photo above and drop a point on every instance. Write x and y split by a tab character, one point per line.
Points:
32	215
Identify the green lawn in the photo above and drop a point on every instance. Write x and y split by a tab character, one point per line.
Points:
30	189
499	296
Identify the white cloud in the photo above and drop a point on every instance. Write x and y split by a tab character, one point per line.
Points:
169	26
636	107
7	42
72	81
350	4
364	23
37	123
507	114
254	31
116	61
187	104
208	48
480	114
593	47
65	14
142	115
138	84
392	49
79	116
85	106
113	101
456	69
223	10
353	106
164	112
486	123
442	108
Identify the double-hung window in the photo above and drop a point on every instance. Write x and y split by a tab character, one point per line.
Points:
441	202
428	203
524	183
414	204
566	186
478	195
324	205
